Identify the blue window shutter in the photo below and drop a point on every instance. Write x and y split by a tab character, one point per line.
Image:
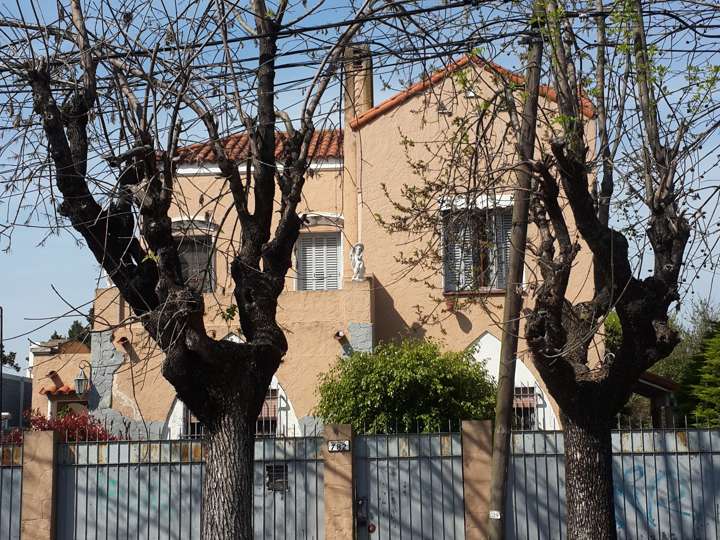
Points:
452	254
460	253
503	229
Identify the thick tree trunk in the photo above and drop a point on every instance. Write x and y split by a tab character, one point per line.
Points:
588	479
228	483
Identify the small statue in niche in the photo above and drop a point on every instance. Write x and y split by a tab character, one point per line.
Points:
356	260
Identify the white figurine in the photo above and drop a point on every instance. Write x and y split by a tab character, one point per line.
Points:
356	260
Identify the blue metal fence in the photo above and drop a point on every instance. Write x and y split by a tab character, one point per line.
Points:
11	458
667	485
153	489
409	486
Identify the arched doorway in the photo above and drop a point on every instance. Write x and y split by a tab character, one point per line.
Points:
531	407
277	417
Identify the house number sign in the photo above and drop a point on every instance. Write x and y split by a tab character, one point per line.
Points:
338	446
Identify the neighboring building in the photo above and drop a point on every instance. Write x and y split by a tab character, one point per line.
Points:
324	312
16	396
660	392
53	366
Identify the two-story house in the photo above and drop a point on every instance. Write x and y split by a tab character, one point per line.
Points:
355	173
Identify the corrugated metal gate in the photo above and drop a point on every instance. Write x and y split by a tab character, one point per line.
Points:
11	457
153	489
667	485
409	486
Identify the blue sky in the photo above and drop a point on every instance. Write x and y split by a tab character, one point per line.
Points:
28	273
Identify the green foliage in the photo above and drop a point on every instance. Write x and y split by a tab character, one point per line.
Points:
228	314
706	391
683	365
151	256
407	385
8	359
79	332
613	333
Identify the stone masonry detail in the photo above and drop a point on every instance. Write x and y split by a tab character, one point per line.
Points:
106	360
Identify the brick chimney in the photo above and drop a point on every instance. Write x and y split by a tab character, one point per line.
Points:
358	80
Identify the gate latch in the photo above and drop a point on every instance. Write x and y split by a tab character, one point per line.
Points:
362	511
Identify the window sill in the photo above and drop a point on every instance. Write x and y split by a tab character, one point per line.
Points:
317	290
483	291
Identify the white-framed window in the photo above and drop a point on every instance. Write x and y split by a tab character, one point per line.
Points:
476	248
318	261
267	422
197	262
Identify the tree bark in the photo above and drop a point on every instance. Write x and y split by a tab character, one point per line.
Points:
228	483
588	478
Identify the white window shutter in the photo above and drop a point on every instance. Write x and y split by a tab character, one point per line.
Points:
459	253
332	262
476	243
318	260
305	269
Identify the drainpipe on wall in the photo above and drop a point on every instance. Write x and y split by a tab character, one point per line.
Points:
358	99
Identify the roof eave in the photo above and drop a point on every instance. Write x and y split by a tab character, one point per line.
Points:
360	121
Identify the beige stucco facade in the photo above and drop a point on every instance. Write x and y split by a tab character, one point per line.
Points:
393	301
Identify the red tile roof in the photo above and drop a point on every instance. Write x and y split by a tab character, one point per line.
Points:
54	390
388	105
325	144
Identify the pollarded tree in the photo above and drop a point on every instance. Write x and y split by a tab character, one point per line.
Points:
618	169
654	174
99	101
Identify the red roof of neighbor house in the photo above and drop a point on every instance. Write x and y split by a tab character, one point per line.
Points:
388	105
326	144
54	390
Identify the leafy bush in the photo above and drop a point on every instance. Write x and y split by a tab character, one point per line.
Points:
72	427
405	386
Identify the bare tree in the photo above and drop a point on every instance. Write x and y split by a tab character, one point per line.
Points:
115	91
632	133
660	183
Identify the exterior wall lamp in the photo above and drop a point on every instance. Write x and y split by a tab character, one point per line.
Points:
82	382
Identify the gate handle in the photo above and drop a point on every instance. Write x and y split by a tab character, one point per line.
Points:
362	511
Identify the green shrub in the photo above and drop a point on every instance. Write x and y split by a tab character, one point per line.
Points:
707	389
405	386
